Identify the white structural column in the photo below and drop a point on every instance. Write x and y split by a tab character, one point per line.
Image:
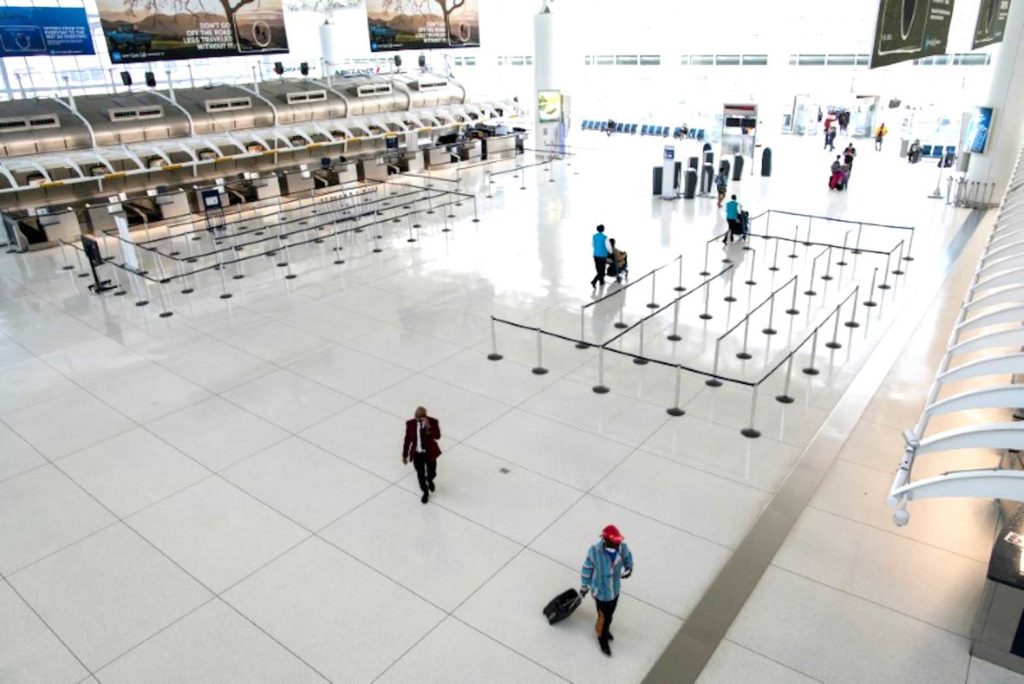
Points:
546	73
1006	97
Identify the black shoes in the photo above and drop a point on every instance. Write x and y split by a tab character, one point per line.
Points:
424	498
605	648
610	637
431	485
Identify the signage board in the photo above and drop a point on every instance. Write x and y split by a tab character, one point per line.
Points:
910	29
160	30
549	106
991	24
420	25
53	31
978	130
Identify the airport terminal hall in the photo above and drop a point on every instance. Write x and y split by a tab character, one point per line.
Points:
511	342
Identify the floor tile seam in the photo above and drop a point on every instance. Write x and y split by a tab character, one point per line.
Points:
878	604
271	367
38	402
414	644
609	438
889	531
716	475
487	636
746	647
91	445
47	625
894	535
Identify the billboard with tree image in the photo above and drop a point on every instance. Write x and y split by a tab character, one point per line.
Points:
422	24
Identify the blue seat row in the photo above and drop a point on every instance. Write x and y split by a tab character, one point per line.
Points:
645	129
936	150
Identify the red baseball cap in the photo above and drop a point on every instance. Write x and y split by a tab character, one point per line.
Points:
612	534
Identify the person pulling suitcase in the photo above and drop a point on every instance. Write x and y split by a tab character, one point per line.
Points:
608	562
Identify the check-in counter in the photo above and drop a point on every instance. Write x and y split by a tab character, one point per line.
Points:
296	182
498	144
99	218
438	156
173	205
42	230
998	632
267	187
375	169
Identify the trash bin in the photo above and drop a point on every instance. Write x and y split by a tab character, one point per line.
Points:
766	162
657	180
691	184
737	167
707	178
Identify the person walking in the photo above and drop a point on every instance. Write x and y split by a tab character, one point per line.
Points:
830	139
608	562
420	447
617	260
721	185
600	256
880	136
732	217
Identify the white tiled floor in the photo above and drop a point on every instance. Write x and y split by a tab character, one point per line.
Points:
219	495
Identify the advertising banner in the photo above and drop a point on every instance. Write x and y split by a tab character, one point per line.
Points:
991	23
54	31
549	106
910	29
422	24
156	30
976	138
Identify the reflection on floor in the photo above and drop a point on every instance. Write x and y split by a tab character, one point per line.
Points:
219	494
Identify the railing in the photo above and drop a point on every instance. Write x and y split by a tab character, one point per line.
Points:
998	281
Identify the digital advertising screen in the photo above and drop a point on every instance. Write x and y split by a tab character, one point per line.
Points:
910	29
156	30
978	128
53	31
422	24
991	24
549	106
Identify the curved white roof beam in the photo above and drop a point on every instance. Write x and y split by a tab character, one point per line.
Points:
1007	263
1005	235
996	365
1012	314
993	483
988	436
134	157
1005	250
6	173
1002	338
1005	278
1009	295
74	165
1000	396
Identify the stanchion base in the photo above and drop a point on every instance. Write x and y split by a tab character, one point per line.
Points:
673	338
620	325
750	433
856	251
406	206
748	248
640	361
841	264
774	268
652	305
582	345
705	317
811	371
282	264
142	302
416	225
227	295
399	220
897	272
494	357
852	324
166	314
729	299
713	382
191	261
446	230
378	250
679	288
793	312
411	240
810	293
727	261
885	286
769	331
834	345
339	261
743	355
169	254
187	290
238	276
291	276
784	399
675	411
826	277
704	273
539	371
67	268
83	275
751	283
794	256
870	304
601	389
476	220
908	258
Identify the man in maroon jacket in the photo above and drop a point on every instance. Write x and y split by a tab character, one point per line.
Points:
420	447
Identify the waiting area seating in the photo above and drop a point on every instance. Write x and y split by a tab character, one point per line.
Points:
601	125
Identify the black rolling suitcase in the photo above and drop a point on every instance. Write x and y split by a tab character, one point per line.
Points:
562	606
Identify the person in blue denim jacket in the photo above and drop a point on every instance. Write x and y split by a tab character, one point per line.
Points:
607	563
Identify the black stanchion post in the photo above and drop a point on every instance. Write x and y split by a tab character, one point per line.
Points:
775	259
494	355
82	273
338	248
674	336
842	253
807	240
811	370
785	397
705	273
910	247
750	277
288	264
751	432
446	229
654	280
713	381
834	343
707	294
796	231
640	360
729	297
600	387
677	410
898	271
539	369
679	286
476	216
743	353
792	310
810	292
869	302
884	285
828	265
582	344
860	229
852	323
225	294
770	330
621	324
67	264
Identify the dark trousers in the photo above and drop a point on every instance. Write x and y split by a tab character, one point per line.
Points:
605	611
426	469
734	227
600	264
